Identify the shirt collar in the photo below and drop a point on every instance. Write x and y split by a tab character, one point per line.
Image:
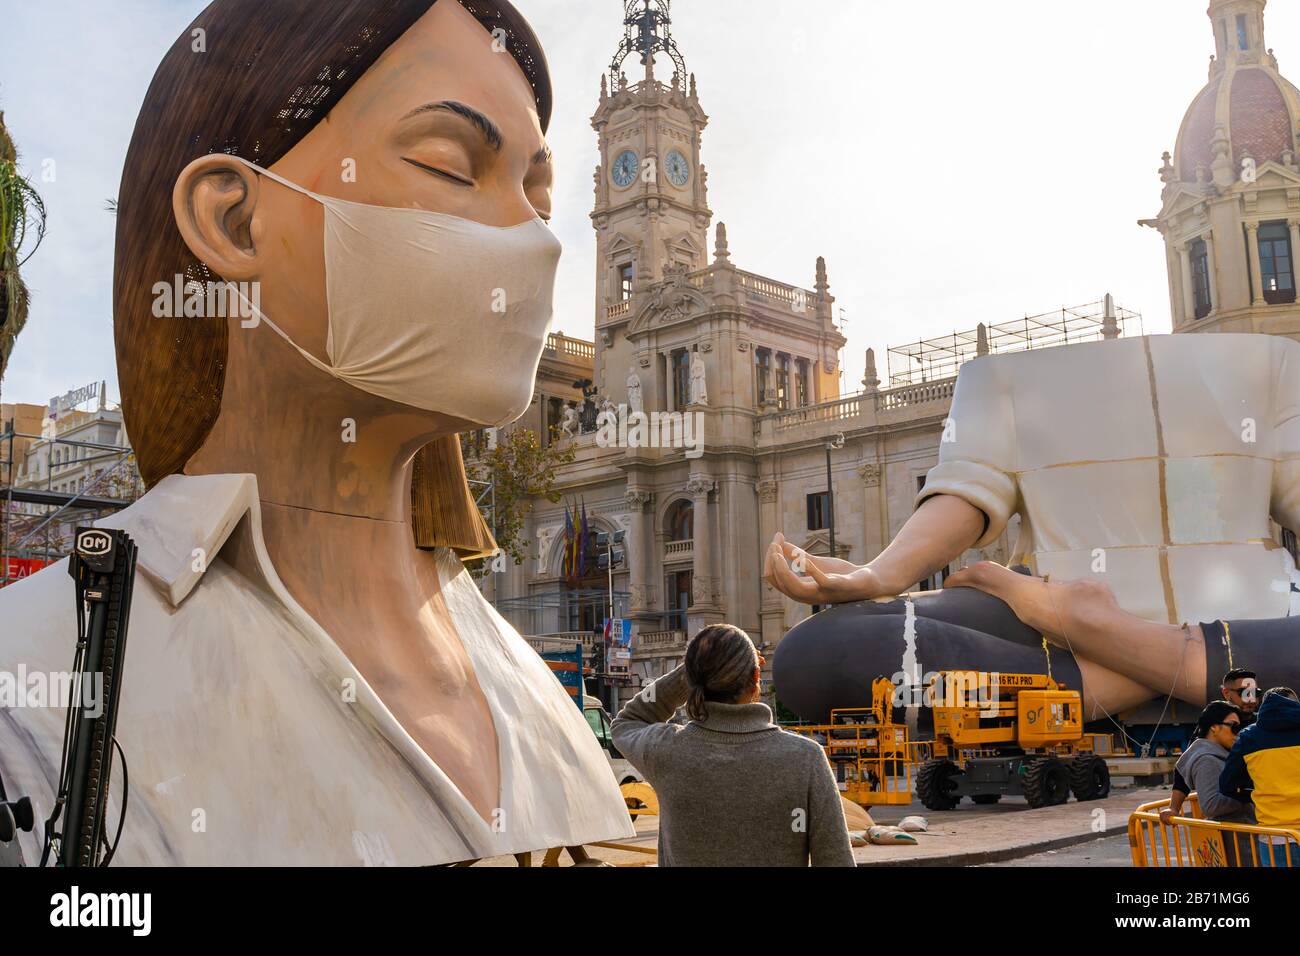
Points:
179	527
182	523
737	718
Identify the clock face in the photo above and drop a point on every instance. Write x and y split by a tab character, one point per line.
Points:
678	169
625	168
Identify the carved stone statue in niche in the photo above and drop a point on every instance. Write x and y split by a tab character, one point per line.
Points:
635	400
699	382
569	424
607	417
589	408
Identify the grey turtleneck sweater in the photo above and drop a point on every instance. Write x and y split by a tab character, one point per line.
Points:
1200	764
735	789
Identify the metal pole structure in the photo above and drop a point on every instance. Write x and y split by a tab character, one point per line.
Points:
8	505
609	556
834	444
609	644
830	498
49	485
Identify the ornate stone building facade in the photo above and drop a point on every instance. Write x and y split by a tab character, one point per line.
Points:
1230	213
782	442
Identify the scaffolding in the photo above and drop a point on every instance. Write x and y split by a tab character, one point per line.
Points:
940	358
562	602
35	546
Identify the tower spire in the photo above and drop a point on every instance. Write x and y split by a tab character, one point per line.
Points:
647	30
1238	29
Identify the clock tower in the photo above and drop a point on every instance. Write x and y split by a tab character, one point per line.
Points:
651	213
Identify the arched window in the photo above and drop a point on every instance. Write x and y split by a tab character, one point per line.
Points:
681	378
1275	262
763	373
680	523
554	419
1200	259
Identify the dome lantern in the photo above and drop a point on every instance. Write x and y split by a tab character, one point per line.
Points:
1247	110
1230	201
1238	28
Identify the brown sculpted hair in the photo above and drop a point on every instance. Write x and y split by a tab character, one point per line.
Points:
253	83
720	665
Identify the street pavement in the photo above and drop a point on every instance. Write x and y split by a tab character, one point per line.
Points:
1007	833
1108	851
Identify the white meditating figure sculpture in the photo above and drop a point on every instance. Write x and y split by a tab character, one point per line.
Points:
311	675
1145	472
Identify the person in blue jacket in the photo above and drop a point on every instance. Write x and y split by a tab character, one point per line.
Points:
1266	759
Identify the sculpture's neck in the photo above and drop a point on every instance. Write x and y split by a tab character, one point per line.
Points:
332	462
313	441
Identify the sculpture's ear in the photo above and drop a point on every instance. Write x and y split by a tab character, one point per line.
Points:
213	202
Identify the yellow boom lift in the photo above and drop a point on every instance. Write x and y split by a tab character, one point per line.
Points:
998	734
867	750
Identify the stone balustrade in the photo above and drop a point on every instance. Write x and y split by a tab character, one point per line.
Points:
660	640
576	349
679	550
860	410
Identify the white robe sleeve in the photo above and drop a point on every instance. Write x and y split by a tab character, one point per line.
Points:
977	455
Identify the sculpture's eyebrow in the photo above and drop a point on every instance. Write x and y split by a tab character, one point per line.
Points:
542	157
491	133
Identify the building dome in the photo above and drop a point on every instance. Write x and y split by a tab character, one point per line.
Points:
1247	103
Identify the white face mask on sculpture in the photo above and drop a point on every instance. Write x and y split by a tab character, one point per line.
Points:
433	311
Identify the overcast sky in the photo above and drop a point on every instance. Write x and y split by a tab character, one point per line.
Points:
954	162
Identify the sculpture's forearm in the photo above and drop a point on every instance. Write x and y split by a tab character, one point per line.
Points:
939	531
935	536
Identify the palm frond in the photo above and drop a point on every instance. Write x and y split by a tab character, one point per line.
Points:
22	227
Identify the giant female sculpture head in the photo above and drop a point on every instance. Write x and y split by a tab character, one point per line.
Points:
363	184
387	105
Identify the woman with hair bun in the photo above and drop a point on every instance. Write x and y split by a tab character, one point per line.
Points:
734	789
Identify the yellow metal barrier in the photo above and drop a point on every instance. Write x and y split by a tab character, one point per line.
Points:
641	799
1195	841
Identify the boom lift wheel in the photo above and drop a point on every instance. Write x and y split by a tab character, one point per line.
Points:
1047	783
1089	778
935	783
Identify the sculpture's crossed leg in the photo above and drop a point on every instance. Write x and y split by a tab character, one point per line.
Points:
1083	617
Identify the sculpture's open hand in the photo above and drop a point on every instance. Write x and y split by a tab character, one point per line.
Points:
813	580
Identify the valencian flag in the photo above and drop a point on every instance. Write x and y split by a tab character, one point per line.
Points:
576	533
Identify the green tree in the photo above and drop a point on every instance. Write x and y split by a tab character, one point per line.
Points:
520	472
22	225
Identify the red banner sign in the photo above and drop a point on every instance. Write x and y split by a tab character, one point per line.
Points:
22	567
